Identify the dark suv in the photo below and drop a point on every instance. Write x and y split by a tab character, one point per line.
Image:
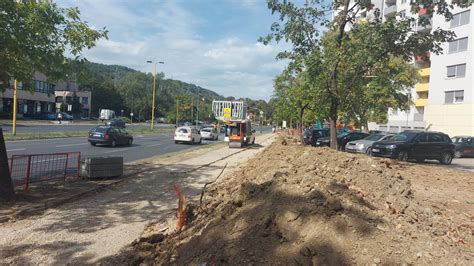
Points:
418	145
464	146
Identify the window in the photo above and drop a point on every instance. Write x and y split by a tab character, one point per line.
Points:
456	71
435	138
85	100
460	19
458	45
422	138
451	97
402	14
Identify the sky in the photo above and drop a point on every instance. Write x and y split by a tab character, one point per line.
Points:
210	43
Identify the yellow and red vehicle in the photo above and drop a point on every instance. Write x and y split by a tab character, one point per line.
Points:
240	133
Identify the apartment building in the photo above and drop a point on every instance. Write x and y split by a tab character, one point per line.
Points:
443	99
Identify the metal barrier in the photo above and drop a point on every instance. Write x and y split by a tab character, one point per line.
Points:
27	169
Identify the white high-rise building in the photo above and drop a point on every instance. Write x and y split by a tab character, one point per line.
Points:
444	98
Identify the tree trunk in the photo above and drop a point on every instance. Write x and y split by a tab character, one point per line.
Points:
332	123
7	191
301	123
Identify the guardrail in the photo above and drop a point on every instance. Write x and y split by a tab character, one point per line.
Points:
32	168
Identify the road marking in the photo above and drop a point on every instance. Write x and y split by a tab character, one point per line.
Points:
154	145
116	150
16	150
68	145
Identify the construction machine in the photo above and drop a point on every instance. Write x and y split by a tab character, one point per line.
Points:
238	128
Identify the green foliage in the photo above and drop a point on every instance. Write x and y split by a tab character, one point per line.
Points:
36	35
337	65
76	105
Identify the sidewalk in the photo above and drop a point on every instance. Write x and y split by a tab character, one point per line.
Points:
97	226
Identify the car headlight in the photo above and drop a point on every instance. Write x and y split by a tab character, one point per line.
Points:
391	147
359	145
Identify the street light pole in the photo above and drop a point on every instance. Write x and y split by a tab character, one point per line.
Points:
153	97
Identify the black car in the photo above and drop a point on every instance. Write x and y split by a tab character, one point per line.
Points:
417	145
111	136
464	146
318	134
342	139
115	122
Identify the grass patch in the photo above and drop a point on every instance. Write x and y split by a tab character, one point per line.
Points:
70	134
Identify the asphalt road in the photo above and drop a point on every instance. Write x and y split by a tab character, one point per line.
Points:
144	146
70	127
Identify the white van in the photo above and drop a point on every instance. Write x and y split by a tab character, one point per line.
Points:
106	114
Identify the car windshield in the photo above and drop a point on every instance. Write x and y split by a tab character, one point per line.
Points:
206	130
182	130
375	137
404	136
307	133
100	129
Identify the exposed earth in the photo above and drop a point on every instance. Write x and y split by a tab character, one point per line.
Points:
303	205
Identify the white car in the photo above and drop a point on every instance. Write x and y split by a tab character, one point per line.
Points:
187	134
209	133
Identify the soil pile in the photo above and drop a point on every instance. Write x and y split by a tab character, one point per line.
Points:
303	205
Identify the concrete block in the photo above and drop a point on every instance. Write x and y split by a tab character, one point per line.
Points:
101	166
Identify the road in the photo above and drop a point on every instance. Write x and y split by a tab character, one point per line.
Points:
144	146
70	127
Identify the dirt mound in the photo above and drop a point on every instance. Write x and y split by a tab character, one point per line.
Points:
303	205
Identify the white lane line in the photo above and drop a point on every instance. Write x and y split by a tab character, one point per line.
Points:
16	150
154	145
68	145
116	150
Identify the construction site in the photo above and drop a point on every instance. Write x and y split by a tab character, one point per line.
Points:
296	205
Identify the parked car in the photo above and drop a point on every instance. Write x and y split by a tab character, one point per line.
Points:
317	134
115	122
109	135
307	136
417	145
365	145
209	133
464	146
187	134
67	116
342	139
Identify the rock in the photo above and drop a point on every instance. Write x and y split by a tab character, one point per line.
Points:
337	169
377	261
290	216
156	238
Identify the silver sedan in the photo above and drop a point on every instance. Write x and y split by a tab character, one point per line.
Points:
365	145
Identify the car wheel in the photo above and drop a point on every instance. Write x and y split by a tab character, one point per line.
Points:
130	141
200	140
420	160
175	142
93	143
369	151
446	158
458	154
113	144
402	156
253	141
192	142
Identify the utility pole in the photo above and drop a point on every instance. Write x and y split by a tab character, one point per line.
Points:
177	110
153	97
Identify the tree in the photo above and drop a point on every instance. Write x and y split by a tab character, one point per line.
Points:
36	35
301	27
76	105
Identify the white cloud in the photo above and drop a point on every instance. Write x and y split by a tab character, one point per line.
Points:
228	65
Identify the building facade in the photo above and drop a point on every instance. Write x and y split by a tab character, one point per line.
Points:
40	96
443	99
66	92
35	96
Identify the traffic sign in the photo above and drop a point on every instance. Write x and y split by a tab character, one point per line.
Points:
227	113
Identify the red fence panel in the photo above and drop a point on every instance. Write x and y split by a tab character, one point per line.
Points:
27	169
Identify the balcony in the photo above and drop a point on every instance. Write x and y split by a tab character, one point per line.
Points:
391	2
424	72
390	11
422	87
421	102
